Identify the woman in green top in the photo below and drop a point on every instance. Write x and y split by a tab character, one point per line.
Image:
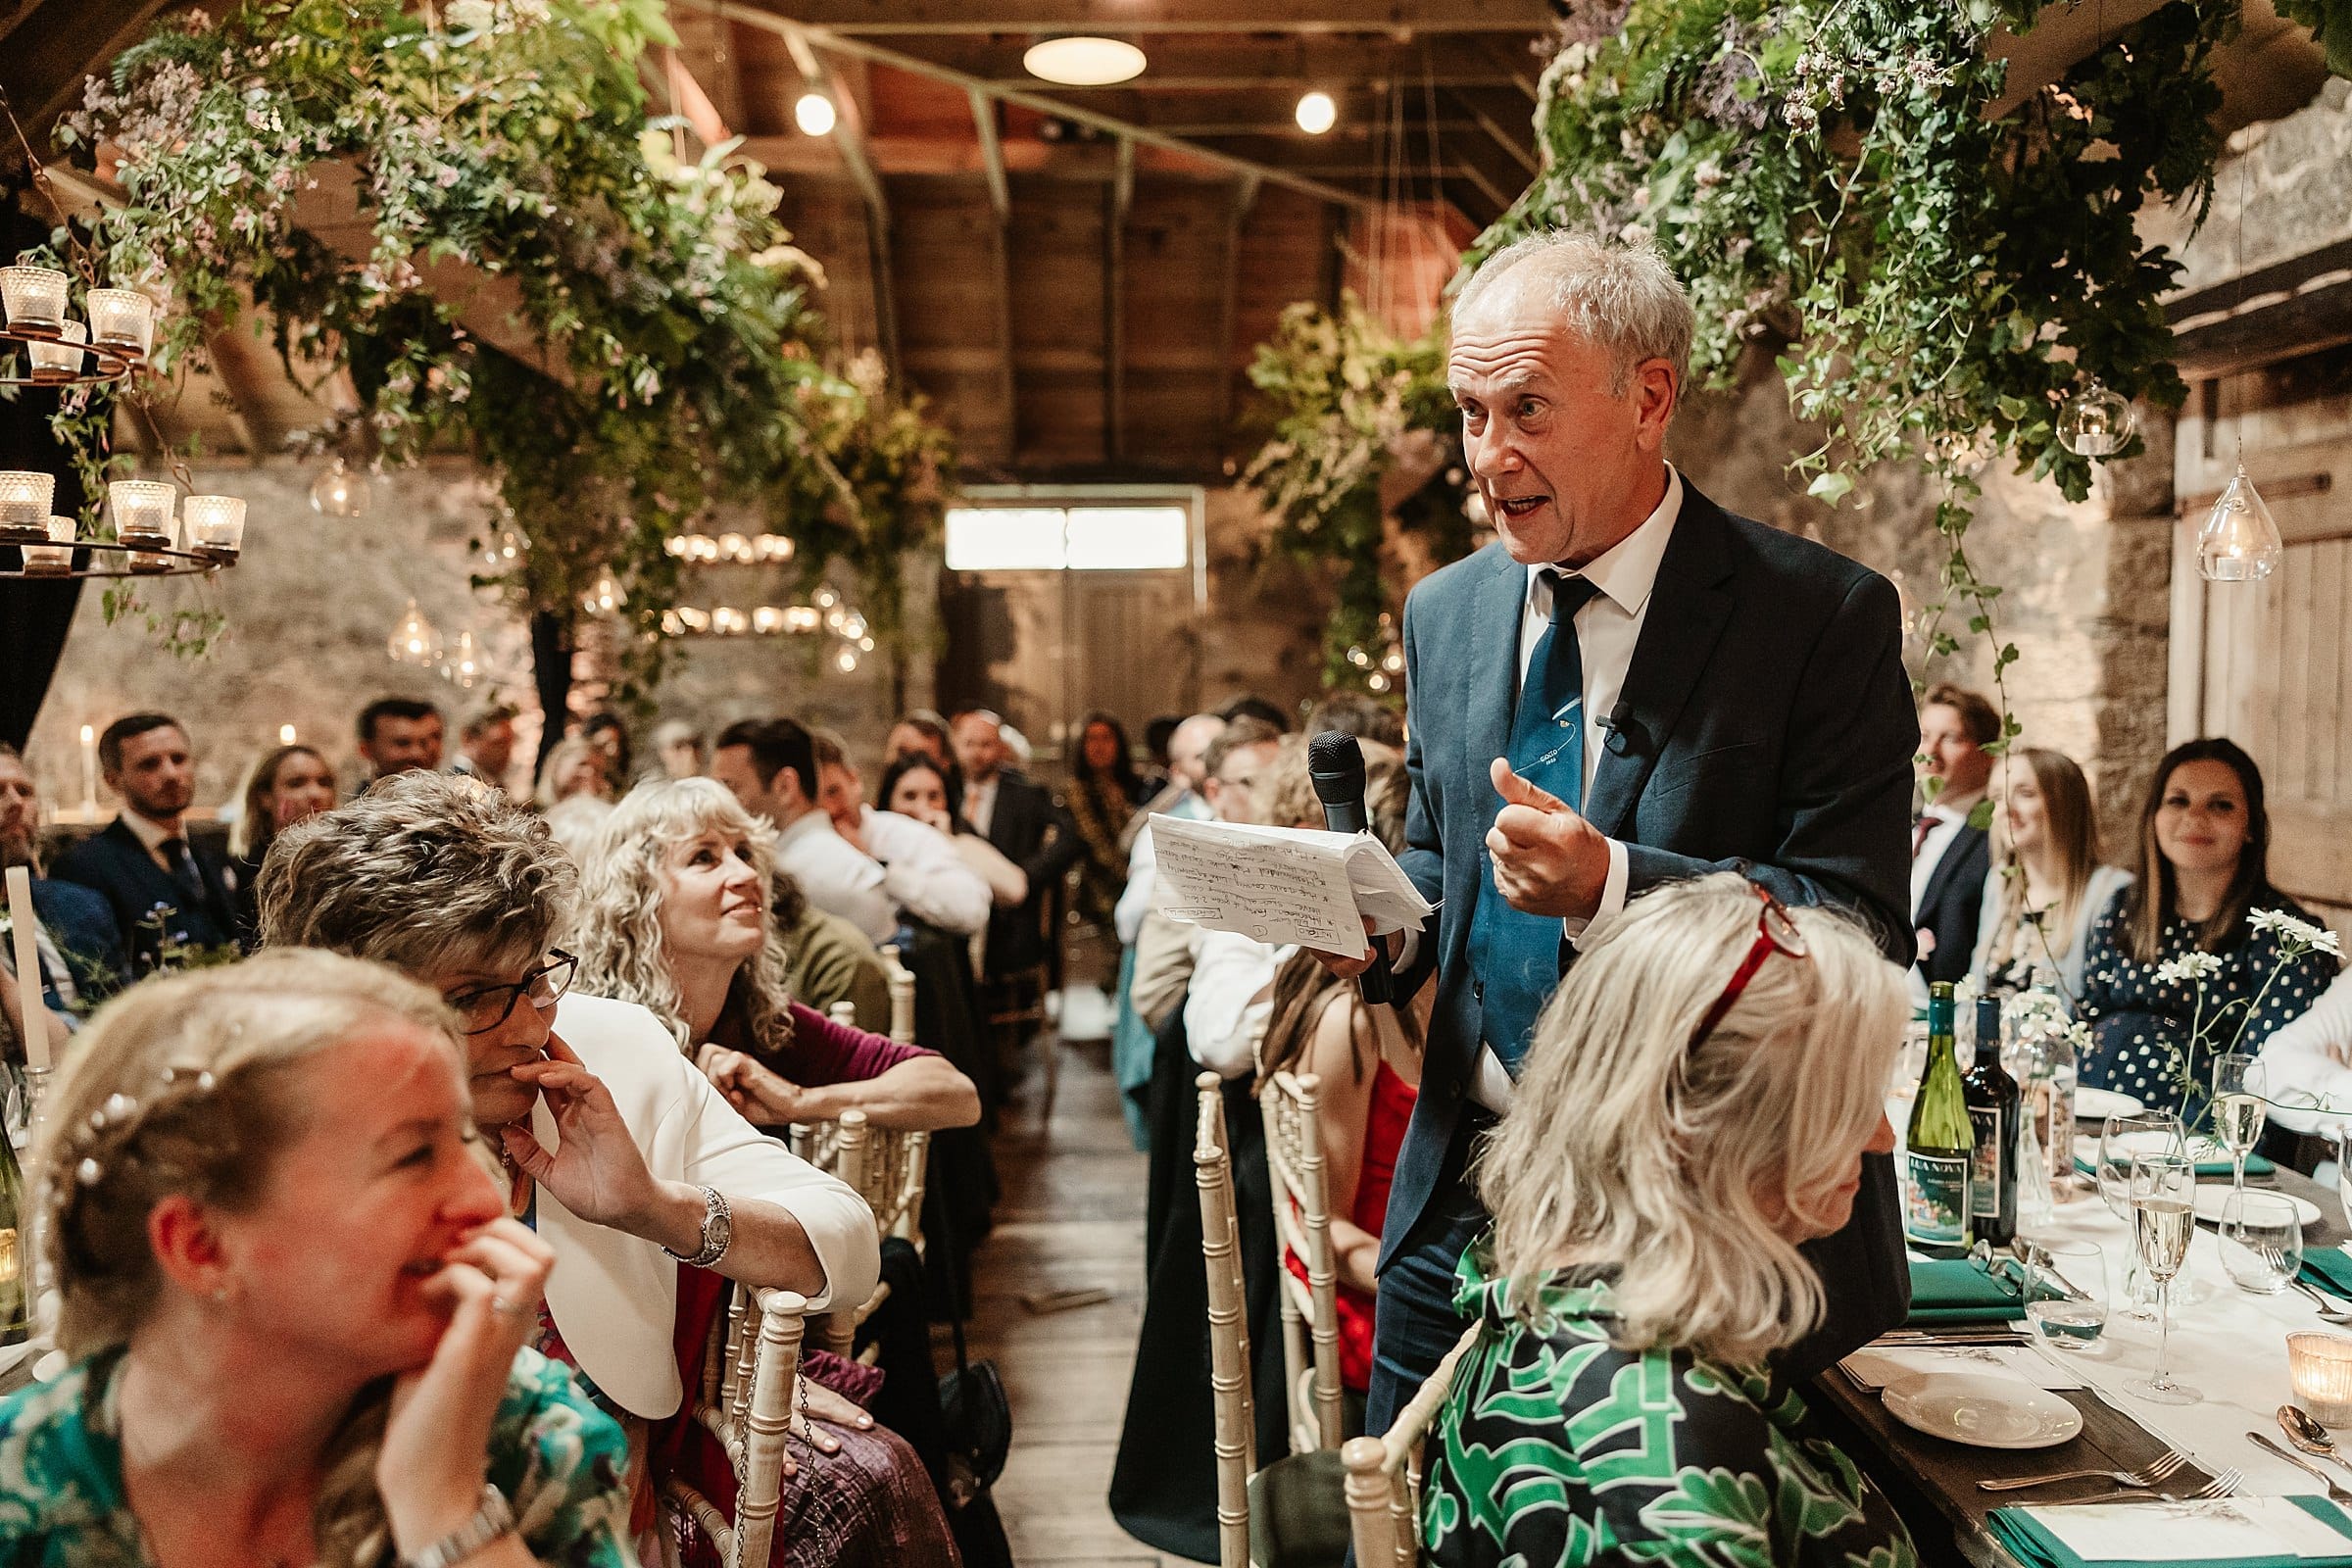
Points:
1696	1103
296	1306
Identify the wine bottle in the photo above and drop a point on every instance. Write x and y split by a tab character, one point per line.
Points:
1992	1104
16	1256
1941	1144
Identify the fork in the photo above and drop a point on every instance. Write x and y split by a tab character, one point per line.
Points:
2145	1479
2329	1312
2221	1485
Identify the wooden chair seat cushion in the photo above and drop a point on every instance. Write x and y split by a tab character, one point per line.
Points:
1299	1512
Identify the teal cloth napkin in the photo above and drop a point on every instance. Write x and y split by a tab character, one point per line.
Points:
2330	1269
1956	1291
2029	1544
2256	1165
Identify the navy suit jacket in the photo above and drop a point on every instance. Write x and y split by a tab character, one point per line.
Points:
114	864
1953	903
82	925
1032	829
1766	727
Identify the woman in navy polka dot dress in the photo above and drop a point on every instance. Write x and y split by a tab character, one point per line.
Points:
2204	845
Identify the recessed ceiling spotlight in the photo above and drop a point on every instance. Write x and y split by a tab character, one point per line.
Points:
813	114
1317	114
1084	61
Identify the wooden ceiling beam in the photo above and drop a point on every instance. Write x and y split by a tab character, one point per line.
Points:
1519	145
707	52
52	47
992	154
1114	305
850	140
1126	17
1000	256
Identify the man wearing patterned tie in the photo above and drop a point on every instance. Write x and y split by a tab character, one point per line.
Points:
164	889
1630	686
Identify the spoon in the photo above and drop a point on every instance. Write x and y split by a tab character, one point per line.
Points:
2308	1435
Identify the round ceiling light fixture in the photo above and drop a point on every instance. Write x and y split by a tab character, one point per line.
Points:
1317	114
1084	61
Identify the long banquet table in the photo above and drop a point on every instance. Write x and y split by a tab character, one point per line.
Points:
2229	1343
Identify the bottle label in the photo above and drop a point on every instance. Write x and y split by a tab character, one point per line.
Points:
1935	1200
1984	1170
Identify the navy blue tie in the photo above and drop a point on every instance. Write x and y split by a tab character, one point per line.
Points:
1516	956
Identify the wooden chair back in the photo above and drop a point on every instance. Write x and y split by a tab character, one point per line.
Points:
1228	1327
1310	1312
1383	1474
744	1399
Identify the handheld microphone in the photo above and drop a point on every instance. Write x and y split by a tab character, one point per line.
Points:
1336	763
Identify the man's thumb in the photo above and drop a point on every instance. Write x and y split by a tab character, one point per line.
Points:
1516	790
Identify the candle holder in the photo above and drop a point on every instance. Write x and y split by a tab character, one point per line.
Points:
2320	1366
25	499
142	510
34	298
60	359
214	526
56	558
122	318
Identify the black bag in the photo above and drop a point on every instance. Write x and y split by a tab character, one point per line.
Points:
978	1423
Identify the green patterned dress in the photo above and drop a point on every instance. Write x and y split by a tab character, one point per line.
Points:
1556	1447
557	1458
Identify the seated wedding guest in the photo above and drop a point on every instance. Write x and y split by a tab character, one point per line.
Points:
827	960
1358	714
166	891
2046	886
1104	794
397	734
1166	949
575	768
486	744
2309	1064
2203	867
1031	828
921	869
1132	1042
1369	1060
54	1023
769	765
1949	854
922	730
619	1153
1696	1103
284	785
611	739
81	947
299	1317
675	916
914	785
678	749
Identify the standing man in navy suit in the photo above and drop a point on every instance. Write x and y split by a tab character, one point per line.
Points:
142	860
1629	687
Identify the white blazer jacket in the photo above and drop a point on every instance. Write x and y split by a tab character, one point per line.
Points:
615	1296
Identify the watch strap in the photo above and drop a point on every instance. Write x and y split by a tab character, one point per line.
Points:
493	1519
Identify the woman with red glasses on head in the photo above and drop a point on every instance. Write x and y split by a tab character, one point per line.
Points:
1695	1103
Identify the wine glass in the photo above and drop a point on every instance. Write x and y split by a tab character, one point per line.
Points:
2064	1287
2164	1216
2120	1137
2238	1109
2261	1241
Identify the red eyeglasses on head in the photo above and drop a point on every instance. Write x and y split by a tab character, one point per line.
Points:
1776	932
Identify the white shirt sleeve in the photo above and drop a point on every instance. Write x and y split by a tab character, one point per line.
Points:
2309	1064
1612	896
1135	901
925	876
1231	1002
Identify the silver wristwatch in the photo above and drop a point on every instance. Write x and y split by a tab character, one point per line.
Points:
718	1231
490	1521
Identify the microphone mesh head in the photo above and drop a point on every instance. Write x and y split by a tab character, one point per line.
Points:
1336	763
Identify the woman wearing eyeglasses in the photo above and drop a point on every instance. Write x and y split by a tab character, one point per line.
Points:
620	1155
1697	1103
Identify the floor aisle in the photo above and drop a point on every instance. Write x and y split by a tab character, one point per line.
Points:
1072	1215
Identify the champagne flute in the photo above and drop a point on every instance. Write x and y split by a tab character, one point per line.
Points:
2120	1137
2238	1109
2164	1216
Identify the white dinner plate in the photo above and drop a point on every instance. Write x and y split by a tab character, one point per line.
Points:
1983	1410
2210	1195
2098	1104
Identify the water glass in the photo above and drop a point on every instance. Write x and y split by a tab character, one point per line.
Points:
2163	1188
2065	1288
2261	1241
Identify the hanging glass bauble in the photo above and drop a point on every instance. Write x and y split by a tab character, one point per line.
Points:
2239	543
415	641
340	491
464	668
2096	421
604	596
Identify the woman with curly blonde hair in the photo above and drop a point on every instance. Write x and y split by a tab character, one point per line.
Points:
300	1317
674	916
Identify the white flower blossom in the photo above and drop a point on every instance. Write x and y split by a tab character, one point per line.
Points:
471	16
2303	934
2190	966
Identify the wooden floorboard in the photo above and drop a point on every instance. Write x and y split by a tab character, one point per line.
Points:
1071	1216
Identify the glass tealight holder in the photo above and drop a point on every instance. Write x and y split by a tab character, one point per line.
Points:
214	525
25	499
122	318
60	359
2320	1366
56	558
35	299
142	510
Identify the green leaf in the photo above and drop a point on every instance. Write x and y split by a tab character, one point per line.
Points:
1829	487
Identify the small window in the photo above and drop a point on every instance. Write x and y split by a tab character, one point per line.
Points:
1073	538
1127	538
1006	539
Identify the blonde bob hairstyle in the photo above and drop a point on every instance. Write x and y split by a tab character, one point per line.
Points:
180	1086
617	931
1627	1146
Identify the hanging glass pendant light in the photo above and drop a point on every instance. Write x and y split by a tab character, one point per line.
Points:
604	596
340	491
2096	421
2239	543
415	641
464	668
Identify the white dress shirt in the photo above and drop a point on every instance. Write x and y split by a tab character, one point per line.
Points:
980	803
1607	629
836	877
1231	1001
2309	1064
922	872
1143	867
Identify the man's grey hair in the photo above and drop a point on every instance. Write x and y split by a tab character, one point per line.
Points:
1621	296
429	872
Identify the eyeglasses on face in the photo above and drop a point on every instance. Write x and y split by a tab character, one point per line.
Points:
482	1008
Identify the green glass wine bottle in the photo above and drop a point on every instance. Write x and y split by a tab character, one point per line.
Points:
1941	1144
16	1256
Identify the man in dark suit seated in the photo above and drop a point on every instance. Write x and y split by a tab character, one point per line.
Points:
1630	686
1949	854
80	946
1030	828
164	892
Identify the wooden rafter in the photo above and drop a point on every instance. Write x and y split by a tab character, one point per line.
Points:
1229	289
1000	256
1114	304
850	140
1126	17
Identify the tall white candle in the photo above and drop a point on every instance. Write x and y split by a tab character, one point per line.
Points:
28	967
89	773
